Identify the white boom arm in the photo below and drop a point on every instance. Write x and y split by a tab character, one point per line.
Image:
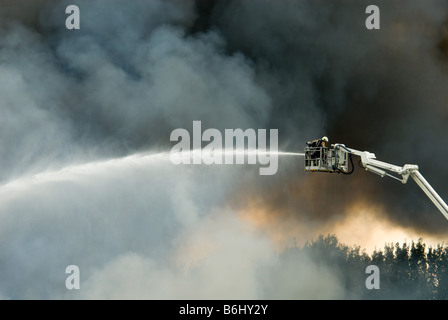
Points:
370	163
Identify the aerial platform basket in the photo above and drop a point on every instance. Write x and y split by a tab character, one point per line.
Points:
323	159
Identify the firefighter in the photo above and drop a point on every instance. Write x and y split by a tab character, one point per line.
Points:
318	143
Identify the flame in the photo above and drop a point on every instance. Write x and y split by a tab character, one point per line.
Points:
365	225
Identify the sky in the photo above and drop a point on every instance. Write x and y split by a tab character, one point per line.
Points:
85	123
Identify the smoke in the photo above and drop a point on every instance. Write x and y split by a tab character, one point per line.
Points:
79	108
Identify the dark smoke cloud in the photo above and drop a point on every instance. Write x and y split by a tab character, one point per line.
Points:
381	91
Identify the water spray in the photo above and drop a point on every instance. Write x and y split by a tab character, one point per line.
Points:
74	171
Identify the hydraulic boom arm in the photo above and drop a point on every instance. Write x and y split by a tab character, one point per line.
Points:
370	163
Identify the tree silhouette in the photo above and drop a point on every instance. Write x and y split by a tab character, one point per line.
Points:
407	271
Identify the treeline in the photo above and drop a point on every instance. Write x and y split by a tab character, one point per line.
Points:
407	271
